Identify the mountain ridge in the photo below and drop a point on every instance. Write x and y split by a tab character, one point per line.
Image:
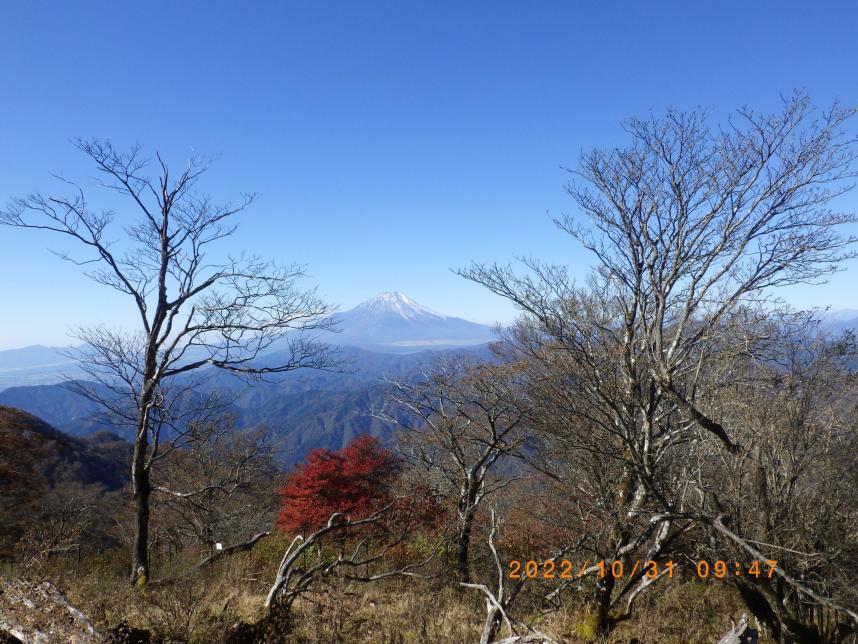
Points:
389	322
98	458
305	409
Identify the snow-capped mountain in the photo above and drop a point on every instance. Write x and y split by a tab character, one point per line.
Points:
388	323
393	322
398	303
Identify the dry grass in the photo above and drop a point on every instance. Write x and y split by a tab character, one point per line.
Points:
204	606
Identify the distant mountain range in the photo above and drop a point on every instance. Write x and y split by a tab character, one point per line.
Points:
388	336
35	365
388	323
840	320
306	409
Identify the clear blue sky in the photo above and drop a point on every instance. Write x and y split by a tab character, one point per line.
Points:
389	141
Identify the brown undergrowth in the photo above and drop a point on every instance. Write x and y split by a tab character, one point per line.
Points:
205	606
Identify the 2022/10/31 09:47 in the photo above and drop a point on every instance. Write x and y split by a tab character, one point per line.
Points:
566	569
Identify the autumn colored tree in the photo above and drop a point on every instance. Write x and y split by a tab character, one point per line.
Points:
356	480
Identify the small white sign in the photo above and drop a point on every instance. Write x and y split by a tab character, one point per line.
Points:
218	546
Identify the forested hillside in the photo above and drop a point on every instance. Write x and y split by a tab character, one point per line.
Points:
304	410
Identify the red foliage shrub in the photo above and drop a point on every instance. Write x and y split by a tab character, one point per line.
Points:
356	480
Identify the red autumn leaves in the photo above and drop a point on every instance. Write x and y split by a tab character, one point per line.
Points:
356	480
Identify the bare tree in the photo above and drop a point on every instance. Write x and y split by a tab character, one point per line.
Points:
59	526
195	310
689	228
461	423
613	478
686	225
221	487
793	496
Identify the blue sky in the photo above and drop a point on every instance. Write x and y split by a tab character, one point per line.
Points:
389	141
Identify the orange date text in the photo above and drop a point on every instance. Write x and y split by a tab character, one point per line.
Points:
565	569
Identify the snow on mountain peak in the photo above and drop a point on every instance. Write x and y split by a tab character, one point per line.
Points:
397	303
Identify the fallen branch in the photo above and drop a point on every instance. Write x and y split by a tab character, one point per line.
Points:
734	635
292	580
231	550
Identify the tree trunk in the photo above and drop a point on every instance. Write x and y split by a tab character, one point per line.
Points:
140	555
464	547
491	626
467	511
142	491
597	621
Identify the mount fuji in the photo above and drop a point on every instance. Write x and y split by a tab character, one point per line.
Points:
392	322
388	336
389	323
